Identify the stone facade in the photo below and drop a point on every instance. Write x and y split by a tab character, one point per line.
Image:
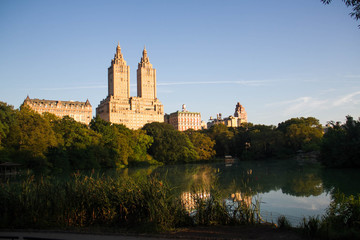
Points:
184	120
80	111
118	107
240	116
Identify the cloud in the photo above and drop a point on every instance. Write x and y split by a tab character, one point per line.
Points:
308	105
348	99
132	85
300	106
245	83
73	88
352	76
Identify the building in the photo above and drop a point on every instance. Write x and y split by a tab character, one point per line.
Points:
118	107
240	116
184	120
80	111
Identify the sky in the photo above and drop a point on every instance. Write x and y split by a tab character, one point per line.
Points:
280	59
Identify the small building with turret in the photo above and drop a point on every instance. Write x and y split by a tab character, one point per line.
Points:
240	116
184	120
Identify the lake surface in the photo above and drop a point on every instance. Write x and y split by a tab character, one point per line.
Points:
283	187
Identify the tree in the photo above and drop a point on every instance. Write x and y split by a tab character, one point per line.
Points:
7	116
203	144
223	138
302	133
31	136
341	144
170	145
265	142
120	145
355	4
80	143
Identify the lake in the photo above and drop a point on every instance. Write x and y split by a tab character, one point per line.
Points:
292	188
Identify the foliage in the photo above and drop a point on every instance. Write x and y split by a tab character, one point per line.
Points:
30	137
84	201
248	141
203	144
7	116
355	4
344	212
89	201
47	142
170	145
79	142
264	142
283	222
114	142
341	221
341	144
311	227
302	133
223	139
304	185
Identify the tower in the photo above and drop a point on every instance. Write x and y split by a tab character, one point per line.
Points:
240	112
119	76
146	78
119	107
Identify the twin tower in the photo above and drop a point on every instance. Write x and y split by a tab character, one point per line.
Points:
118	106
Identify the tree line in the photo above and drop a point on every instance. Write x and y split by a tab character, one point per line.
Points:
45	141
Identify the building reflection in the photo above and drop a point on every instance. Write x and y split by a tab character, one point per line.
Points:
241	197
190	200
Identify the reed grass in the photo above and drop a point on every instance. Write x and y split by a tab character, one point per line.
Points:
341	221
283	223
87	201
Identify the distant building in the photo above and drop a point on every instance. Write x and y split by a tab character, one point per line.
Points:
240	116
118	107
80	111
184	120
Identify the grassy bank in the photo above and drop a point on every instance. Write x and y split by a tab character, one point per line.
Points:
341	221
148	204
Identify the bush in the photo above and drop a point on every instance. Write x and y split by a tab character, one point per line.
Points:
283	222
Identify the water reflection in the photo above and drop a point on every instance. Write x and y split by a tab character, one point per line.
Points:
190	199
283	186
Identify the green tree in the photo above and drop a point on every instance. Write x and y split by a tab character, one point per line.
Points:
203	144
31	136
265	142
141	143
120	145
7	116
341	144
80	143
302	133
241	139
223	139
170	145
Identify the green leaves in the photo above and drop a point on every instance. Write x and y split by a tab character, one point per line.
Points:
341	144
170	145
302	133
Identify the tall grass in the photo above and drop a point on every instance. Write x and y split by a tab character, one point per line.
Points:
148	204
88	201
341	221
214	210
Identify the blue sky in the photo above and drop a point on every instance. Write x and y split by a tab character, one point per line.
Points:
278	58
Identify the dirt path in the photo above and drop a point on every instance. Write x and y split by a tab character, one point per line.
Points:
201	233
